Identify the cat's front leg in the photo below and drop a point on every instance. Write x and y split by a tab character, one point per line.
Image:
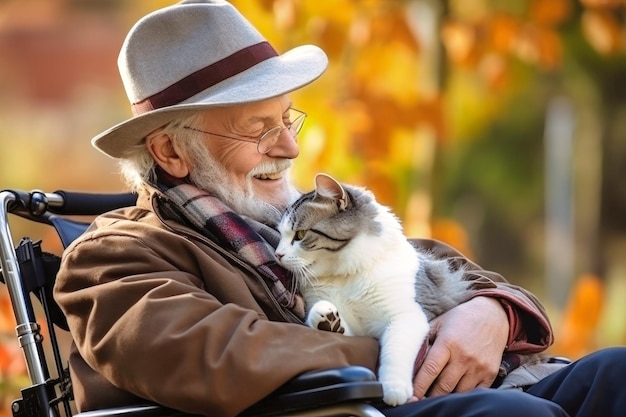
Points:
399	347
324	315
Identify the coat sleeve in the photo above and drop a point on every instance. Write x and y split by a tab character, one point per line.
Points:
530	329
155	329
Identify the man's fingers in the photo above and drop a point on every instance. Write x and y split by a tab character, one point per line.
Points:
447	381
436	360
469	382
478	375
455	377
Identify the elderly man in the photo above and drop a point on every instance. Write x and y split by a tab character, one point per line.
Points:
179	300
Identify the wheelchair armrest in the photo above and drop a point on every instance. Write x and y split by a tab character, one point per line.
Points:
317	389
311	390
142	410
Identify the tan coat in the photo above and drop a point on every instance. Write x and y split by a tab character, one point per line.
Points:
159	312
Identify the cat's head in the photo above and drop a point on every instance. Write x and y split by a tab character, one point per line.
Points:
323	228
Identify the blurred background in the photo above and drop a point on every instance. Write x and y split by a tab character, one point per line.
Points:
497	127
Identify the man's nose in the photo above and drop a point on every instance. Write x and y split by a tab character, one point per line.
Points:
286	146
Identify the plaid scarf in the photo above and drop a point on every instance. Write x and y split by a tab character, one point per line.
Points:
213	219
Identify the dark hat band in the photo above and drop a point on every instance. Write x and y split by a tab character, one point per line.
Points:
206	77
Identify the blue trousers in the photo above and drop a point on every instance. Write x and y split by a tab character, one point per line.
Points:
593	386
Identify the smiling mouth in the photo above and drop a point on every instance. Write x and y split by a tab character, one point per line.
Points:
269	176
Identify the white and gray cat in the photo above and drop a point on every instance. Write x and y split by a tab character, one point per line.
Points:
351	260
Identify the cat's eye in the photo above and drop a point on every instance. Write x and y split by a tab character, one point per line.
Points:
300	234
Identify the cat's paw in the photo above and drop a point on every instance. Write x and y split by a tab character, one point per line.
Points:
396	392
325	316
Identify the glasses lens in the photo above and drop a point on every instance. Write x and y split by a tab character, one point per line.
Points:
297	120
269	139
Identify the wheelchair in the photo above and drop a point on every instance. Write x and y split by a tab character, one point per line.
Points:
29	273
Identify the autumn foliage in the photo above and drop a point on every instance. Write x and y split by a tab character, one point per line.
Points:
411	85
577	333
12	365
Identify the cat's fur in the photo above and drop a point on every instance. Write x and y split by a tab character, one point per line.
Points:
350	258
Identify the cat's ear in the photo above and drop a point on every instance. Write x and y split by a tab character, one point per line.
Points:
328	187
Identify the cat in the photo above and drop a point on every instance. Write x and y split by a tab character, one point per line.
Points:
359	275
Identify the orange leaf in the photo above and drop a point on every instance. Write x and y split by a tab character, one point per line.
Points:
494	70
5	358
452	233
539	45
550	12
602	30
581	317
7	318
503	30
459	40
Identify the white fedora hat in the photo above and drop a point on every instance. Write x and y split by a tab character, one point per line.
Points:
195	55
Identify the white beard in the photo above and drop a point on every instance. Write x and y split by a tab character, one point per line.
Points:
211	176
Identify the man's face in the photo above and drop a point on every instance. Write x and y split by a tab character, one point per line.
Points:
253	184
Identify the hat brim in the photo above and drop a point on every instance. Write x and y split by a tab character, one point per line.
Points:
271	78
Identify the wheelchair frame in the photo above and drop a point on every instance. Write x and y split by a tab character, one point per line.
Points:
26	269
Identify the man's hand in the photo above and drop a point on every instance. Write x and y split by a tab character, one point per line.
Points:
467	346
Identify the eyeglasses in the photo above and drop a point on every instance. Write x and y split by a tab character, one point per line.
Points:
267	140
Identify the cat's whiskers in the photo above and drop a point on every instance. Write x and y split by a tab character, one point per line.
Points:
305	277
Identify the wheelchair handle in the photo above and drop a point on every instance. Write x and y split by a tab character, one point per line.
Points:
68	202
36	203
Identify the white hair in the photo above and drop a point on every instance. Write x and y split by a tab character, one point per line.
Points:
137	165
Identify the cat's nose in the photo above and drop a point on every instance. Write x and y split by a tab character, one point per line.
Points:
279	256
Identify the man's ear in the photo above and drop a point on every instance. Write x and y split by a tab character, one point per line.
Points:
167	156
